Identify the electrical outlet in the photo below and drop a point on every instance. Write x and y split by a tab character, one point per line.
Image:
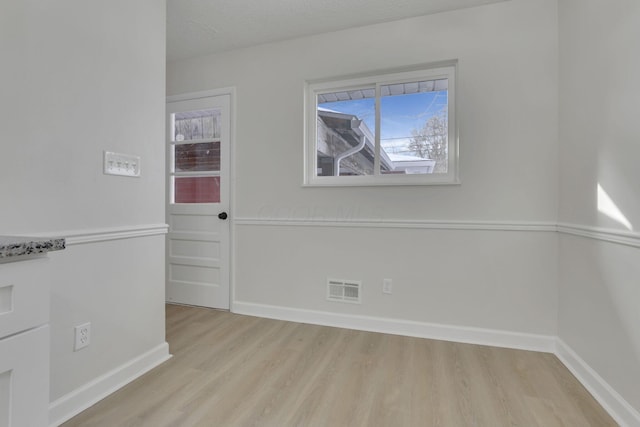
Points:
387	286
83	336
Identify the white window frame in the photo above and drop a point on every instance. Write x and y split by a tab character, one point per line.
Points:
446	70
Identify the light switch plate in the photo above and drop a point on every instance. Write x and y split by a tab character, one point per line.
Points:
121	164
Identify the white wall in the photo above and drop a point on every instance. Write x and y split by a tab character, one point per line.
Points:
116	285
507	91
77	78
600	144
452	277
508	112
83	77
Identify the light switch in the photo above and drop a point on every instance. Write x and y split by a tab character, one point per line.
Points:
121	164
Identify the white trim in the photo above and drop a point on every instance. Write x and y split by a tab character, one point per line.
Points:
232	193
628	238
78	237
462	334
397	223
202	94
392	180
87	395
619	409
436	71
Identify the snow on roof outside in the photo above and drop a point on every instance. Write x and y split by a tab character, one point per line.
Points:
405	158
328	110
337	114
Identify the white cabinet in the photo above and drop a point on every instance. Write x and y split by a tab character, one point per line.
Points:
24	379
24	295
24	343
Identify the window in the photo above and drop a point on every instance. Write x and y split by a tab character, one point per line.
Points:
396	128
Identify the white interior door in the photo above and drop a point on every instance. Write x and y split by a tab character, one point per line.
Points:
198	173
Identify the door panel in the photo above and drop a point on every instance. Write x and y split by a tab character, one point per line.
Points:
198	190
186	248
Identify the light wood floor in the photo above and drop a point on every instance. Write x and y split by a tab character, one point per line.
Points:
232	370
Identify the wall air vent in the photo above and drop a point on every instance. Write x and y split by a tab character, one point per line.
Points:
344	290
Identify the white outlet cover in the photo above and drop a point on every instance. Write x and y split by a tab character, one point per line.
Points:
387	286
82	336
121	164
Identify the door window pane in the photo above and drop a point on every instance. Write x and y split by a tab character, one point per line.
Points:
201	189
200	157
202	124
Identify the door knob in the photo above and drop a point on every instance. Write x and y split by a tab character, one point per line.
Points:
222	215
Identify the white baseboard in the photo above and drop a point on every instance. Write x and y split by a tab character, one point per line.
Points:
619	409
82	398
462	334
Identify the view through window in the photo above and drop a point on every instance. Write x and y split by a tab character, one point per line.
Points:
385	128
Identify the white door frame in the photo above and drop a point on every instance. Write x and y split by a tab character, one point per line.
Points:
231	91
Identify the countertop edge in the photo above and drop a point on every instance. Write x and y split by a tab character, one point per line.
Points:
16	246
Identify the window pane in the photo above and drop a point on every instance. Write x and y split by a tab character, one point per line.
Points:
202	124
197	189
345	140
204	156
414	127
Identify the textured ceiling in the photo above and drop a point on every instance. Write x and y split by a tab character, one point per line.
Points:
198	27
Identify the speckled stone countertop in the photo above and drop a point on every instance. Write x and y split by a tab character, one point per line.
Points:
13	246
